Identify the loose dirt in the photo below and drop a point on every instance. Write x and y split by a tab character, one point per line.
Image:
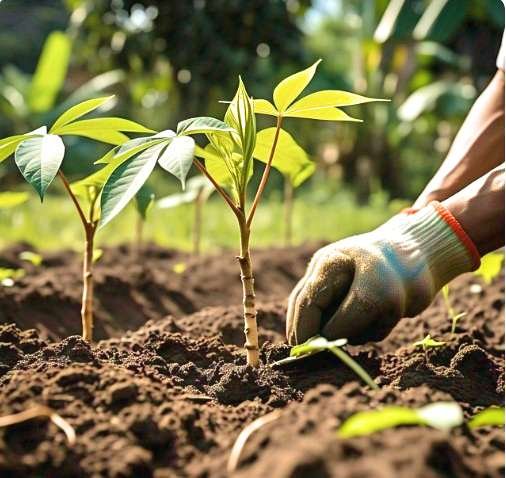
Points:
168	396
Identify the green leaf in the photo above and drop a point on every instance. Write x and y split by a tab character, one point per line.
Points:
289	158
12	199
428	342
77	111
50	73
177	158
9	276
440	415
324	114
202	124
215	165
490	267
290	88
39	158
329	98
194	186
492	416
111	124
32	257
9	145
264	107
126	180
144	199
105	136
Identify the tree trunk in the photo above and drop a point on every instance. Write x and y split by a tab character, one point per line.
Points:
87	302
249	308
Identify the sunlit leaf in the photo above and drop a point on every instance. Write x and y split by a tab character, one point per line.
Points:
202	124
215	165
492	416
440	415
324	114
329	98
77	111
39	159
9	145
289	158
12	199
428	342
194	186
290	88
111	124
264	107
126	180
50	73
490	267
177	158
106	136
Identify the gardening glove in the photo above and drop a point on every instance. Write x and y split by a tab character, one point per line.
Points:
360	287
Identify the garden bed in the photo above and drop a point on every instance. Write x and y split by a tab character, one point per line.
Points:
168	397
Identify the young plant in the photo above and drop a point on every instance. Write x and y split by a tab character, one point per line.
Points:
428	343
451	312
228	162
440	415
319	344
491	416
198	191
39	156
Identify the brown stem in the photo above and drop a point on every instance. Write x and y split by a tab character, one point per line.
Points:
89	226
197	222
249	308
265	176
288	212
218	188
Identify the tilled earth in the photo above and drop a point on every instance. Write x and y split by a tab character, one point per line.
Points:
168	397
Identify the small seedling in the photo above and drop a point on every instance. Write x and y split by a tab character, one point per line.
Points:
198	190
440	415
492	416
9	276
490	267
428	343
319	344
31	257
228	162
451	312
39	156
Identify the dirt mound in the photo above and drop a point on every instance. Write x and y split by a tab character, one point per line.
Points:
169	399
131	290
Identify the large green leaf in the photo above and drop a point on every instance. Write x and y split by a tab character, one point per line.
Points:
264	107
325	114
50	73
289	158
9	145
10	199
77	111
202	124
39	159
104	135
215	165
177	158
290	88
126	180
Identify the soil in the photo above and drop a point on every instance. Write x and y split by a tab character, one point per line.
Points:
166	391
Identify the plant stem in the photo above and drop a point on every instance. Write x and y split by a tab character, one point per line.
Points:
197	222
265	176
345	358
89	226
288	212
249	308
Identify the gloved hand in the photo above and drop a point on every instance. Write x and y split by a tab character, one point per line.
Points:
360	287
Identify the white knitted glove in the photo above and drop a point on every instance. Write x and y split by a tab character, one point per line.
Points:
360	287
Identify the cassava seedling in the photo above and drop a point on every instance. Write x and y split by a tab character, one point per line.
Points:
445	291
228	162
319	344
440	415
39	156
198	191
428	343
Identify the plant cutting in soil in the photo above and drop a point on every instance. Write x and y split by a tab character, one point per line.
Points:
39	156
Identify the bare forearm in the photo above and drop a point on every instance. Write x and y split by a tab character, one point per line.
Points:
479	208
477	148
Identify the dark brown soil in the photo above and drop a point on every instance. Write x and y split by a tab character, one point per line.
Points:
169	398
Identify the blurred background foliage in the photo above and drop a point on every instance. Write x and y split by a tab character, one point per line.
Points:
169	60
